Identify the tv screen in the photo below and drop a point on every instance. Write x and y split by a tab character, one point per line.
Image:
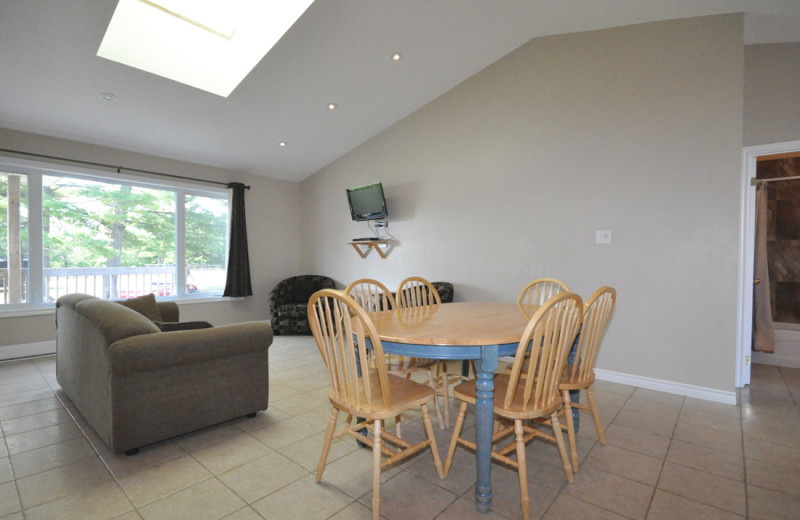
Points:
367	202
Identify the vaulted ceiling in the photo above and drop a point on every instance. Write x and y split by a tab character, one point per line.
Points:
339	51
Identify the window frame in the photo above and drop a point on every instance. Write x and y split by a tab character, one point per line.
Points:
36	170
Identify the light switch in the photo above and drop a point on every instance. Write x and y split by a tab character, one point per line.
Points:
602	236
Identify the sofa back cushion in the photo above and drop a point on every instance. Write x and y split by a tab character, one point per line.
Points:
145	305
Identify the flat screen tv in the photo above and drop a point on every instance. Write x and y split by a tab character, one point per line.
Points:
367	202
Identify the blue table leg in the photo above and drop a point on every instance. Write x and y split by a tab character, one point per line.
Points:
484	421
364	431
575	395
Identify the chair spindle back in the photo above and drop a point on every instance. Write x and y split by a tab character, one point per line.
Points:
371	295
341	330
549	337
539	291
415	291
595	319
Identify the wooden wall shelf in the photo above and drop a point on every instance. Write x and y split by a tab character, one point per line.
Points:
377	245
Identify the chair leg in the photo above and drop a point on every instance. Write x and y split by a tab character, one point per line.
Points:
562	448
573	448
432	384
397	425
522	469
326	446
451	450
426	420
376	468
595	414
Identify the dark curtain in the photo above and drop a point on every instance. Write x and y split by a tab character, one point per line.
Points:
238	281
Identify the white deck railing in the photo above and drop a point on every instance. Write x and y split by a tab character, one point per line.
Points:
115	283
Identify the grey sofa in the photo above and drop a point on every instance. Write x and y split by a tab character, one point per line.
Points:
136	385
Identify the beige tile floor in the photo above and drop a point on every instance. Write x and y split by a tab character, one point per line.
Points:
667	457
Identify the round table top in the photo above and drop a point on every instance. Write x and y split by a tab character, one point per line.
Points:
462	323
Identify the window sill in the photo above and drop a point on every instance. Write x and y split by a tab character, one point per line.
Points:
32	310
50	309
198	299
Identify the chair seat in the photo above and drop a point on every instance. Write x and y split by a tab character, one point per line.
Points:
405	394
579	384
566	383
466	392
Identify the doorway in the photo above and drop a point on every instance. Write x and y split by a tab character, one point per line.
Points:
747	251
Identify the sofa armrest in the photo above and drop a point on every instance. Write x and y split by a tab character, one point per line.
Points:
168	349
172	326
169	311
115	322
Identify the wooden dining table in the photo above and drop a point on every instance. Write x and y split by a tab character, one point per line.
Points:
483	332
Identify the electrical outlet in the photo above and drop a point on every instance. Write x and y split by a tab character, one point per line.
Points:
602	236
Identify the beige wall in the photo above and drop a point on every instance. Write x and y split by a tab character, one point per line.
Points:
771	93
505	178
272	221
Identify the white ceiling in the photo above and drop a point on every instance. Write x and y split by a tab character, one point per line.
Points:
338	51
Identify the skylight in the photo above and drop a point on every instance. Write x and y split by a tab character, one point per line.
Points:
208	44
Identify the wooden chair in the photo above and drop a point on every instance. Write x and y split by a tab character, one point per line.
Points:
549	337
341	330
539	291
535	294
416	292
372	296
580	374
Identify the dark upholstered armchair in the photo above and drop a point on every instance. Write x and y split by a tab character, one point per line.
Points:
288	302
445	290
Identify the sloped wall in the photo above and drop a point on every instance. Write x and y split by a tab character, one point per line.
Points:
506	178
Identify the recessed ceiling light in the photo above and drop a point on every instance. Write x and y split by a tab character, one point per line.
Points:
396	56
332	106
282	144
208	44
108	96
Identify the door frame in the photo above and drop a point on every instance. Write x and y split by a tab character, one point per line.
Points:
744	335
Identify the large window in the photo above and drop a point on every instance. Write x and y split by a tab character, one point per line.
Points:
13	238
112	238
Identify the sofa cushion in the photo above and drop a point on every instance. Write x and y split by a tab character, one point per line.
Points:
144	305
172	326
303	289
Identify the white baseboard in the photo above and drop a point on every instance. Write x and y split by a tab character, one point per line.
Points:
661	385
670	387
24	350
776	359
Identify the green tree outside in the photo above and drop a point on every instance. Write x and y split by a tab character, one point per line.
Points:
88	224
